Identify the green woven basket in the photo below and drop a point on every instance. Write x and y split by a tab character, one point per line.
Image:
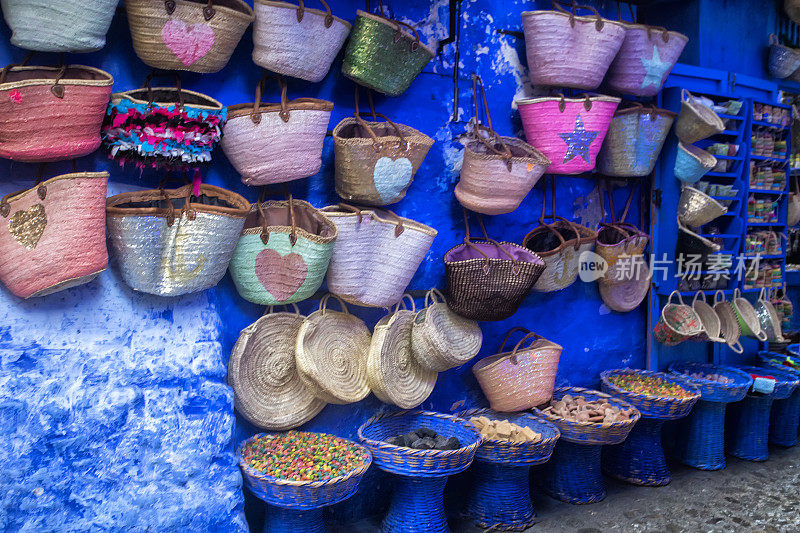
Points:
382	56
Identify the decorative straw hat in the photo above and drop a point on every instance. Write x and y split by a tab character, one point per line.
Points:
331	354
267	389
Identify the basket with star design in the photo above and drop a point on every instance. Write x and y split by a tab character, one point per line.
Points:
569	131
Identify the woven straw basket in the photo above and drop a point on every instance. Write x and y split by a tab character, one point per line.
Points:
59	25
634	141
692	163
297	41
768	318
522	378
52	237
376	254
51	113
619	239
696	208
729	323
565	50
712	326
441	339
783	60
696	121
560	244
276	143
393	374
748	320
331	354
194	35
283	253
625	292
267	391
677	323
170	242
568	131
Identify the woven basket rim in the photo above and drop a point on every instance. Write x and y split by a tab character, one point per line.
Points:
660	375
592	98
578	18
536	416
534	156
541	262
414	136
744	310
593	425
505	356
245	10
717	368
313	11
656	30
694	191
385	22
241	211
636	110
300	231
764	358
788	378
332	211
298	104
252	472
61	177
701	156
107	81
116	98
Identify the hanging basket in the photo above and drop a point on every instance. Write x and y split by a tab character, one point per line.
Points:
696	121
783	60
522	378
748	320
624	293
768	318
283	252
53	237
678	322
792	9
331	354
568	131
276	143
634	141
193	35
376	254
59	26
696	208
267	390
565	50
690	244
169	242
712	325
383	56
296	41
729	323
51	113
692	163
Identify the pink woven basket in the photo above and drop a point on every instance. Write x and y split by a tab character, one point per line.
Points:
53	236
568	131
565	50
51	113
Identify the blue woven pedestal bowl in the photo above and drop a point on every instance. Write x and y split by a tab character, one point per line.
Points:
785	414
662	408
500	494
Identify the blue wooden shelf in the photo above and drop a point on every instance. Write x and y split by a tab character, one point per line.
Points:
765	158
721	175
768	191
770	125
764	224
730	117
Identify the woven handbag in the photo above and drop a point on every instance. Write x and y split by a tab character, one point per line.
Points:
565	50
276	143
441	339
51	113
497	172
194	35
296	41
171	242
568	131
619	239
267	390
487	279
166	127
59	26
283	253
376	254
331	354
376	161
634	141
522	378
382	56
393	374
53	236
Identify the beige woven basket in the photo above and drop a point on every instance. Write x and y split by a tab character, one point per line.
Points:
441	339
331	354
267	390
696	121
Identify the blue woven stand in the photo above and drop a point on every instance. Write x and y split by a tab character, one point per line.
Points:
640	459
282	520
417	506
701	437
784	420
747	428
500	497
573	473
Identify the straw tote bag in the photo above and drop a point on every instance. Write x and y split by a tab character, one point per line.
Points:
267	389
166	127
497	172
376	254
619	239
170	242
59	25
487	279
382	56
376	161
283	253
194	35
276	143
393	374
296	41
441	339
53	236
565	50
331	354
51	113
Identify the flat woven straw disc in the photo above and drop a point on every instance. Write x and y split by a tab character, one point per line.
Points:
394	374
331	356
627	295
267	390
